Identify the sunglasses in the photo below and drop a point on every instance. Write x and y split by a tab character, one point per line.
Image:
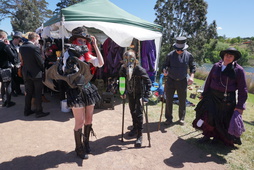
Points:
179	50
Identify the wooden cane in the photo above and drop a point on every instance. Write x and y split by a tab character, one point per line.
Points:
159	124
147	125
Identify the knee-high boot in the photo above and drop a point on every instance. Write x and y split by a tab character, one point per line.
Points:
138	142
87	130
79	147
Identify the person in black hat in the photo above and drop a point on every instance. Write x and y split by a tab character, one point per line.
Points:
77	69
6	58
214	111
175	68
14	47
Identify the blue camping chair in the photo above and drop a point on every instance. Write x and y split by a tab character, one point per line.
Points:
158	86
157	90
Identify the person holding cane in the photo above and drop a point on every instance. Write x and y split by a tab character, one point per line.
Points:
138	86
175	69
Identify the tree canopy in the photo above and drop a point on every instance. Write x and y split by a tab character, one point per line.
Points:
65	3
25	15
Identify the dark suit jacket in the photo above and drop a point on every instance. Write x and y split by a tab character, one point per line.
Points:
6	55
14	51
32	61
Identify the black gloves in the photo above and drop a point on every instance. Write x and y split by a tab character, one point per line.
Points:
147	95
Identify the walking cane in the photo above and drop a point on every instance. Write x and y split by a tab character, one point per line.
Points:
122	89
147	126
159	124
162	106
145	111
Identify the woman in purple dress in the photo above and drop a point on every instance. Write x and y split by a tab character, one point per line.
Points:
225	81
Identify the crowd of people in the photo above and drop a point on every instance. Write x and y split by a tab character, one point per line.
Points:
27	60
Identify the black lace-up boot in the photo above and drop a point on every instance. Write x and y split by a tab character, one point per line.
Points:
79	147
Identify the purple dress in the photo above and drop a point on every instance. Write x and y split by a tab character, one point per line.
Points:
219	101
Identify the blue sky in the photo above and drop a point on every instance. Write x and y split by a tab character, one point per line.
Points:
233	17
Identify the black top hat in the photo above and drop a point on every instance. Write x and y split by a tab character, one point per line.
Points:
80	32
17	35
180	43
231	51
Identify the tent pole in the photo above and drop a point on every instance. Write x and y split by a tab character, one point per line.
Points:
62	26
139	53
44	42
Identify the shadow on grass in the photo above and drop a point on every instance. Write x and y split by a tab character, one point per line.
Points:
249	123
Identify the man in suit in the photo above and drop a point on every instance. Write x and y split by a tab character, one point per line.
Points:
32	74
176	67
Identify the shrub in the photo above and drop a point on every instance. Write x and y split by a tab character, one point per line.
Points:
250	82
201	73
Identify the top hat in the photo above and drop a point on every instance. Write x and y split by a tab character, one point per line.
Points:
231	51
80	32
180	43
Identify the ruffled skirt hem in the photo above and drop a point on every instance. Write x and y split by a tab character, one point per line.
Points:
83	96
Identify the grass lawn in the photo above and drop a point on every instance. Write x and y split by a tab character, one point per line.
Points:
240	157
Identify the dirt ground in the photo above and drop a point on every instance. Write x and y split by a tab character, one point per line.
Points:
29	143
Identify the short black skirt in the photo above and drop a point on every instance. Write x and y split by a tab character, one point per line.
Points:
83	96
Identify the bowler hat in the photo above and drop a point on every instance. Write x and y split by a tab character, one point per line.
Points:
80	32
232	51
180	43
17	35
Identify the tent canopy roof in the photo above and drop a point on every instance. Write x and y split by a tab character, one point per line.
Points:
101	10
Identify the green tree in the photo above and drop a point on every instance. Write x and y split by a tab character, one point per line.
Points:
238	39
25	15
185	18
222	38
65	3
233	40
210	52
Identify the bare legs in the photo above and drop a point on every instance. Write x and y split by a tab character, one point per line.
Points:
83	116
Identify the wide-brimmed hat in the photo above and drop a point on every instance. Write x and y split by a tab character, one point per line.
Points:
180	43
232	51
80	32
17	35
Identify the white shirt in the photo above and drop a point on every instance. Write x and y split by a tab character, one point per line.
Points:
94	60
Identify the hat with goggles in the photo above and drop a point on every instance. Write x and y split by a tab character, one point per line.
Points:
80	32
